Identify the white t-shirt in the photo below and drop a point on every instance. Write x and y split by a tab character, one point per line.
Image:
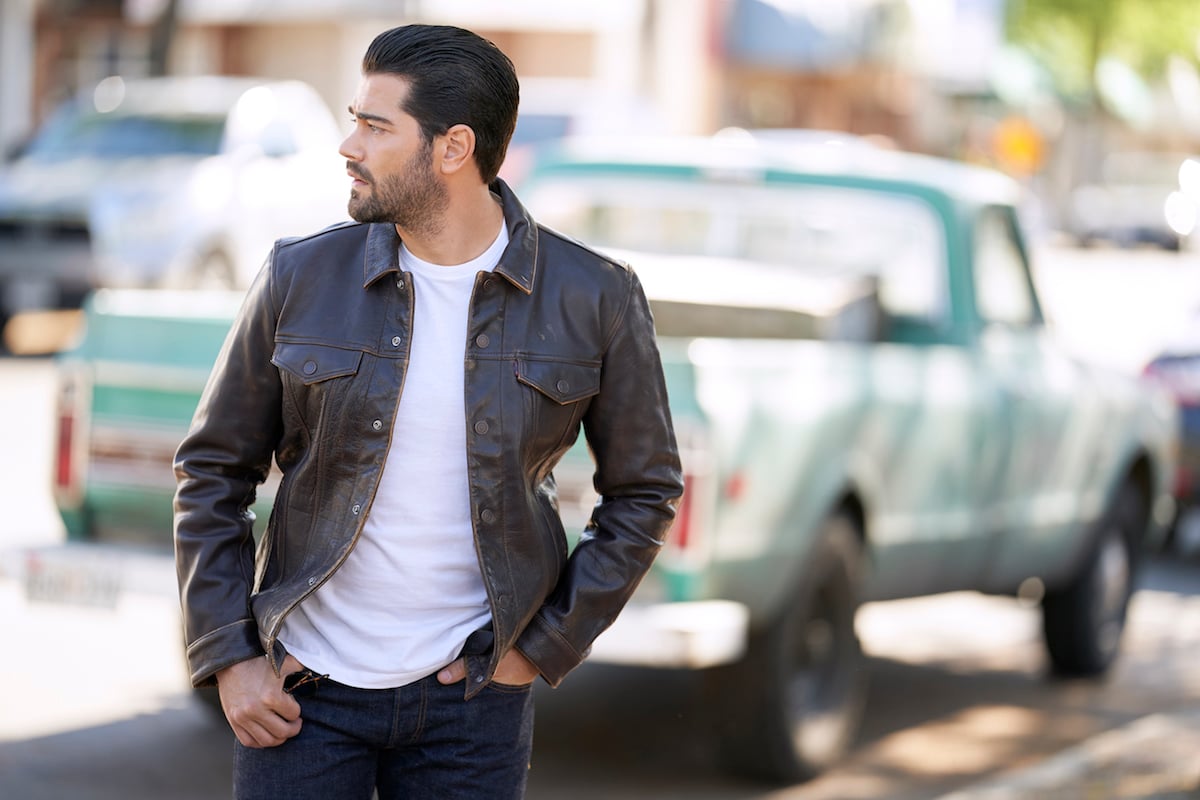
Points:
410	593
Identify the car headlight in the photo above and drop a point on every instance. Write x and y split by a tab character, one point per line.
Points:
1189	178
1180	212
211	188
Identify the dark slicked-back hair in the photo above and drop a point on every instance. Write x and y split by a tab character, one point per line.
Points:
455	77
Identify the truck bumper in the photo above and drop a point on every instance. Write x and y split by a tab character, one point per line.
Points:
691	635
90	574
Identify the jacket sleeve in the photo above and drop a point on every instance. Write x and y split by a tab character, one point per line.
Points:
639	480
219	465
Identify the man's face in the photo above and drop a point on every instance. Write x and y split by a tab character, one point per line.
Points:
390	162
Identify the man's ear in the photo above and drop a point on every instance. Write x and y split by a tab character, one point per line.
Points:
458	148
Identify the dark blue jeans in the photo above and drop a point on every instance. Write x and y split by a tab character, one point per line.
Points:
419	741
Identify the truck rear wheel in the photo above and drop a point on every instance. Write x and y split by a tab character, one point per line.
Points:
1083	621
792	706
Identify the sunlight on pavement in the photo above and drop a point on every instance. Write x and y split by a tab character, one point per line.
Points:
977	740
1154	757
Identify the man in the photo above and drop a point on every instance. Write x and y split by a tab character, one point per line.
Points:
416	375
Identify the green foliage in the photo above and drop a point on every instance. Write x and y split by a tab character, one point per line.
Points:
1070	36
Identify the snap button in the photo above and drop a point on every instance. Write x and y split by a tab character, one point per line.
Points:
312	580
399	283
481	427
482	340
479	679
487	283
488	516
355	508
562	386
377	425
396	341
310	367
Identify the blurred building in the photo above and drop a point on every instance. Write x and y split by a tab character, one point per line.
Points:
862	66
50	48
929	75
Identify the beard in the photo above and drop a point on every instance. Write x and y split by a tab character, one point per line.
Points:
413	199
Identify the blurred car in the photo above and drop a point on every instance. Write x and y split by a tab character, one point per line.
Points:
1177	368
1138	200
164	182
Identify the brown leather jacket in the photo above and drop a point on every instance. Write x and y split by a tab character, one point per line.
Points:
311	374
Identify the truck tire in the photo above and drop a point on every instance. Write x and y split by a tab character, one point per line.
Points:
792	705
1082	622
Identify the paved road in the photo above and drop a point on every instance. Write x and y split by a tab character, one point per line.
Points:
95	704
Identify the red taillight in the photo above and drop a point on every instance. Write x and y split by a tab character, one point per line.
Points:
70	430
681	530
689	539
64	465
1179	375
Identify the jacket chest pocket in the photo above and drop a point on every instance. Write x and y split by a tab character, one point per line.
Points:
316	375
561	392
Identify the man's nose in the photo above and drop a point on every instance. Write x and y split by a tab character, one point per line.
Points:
349	147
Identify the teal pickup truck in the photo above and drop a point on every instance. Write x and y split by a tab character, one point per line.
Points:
868	402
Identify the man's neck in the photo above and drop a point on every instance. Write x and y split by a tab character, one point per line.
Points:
468	228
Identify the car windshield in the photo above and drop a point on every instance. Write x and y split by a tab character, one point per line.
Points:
891	236
114	136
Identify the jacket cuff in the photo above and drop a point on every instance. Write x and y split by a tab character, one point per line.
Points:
222	648
549	651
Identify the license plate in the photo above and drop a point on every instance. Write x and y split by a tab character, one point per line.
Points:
73	581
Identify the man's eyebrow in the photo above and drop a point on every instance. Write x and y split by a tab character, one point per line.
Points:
363	115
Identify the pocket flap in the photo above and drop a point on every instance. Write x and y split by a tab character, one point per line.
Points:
562	381
312	363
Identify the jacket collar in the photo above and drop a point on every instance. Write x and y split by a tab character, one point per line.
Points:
518	262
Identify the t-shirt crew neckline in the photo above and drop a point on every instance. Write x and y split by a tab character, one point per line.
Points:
484	262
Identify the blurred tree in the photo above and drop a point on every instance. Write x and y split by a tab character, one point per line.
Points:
1102	55
1070	37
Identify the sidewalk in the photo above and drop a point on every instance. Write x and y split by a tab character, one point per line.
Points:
1155	757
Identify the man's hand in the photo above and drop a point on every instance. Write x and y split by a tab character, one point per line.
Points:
252	697
514	670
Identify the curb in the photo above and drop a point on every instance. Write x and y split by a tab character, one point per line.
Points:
1157	756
